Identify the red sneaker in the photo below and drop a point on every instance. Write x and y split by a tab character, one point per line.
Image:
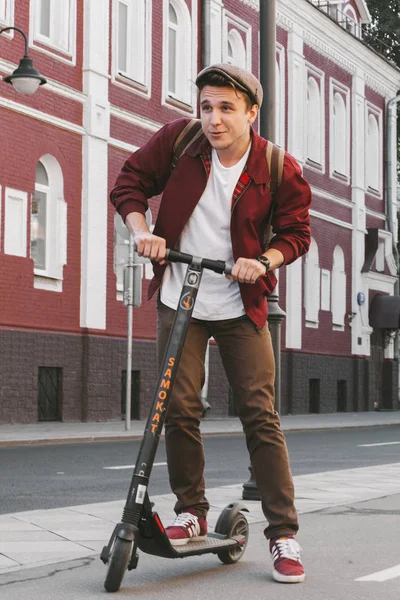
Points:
187	527
285	552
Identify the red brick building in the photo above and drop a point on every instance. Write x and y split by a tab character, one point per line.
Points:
117	70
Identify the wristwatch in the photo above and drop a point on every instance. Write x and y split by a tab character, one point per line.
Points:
264	261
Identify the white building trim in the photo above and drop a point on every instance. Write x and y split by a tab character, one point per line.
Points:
15	222
7	16
294	304
96	120
33	113
344	92
138	120
329	219
240	27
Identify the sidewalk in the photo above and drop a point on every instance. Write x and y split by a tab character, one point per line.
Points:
61	433
46	537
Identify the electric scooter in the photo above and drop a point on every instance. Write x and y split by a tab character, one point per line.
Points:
140	527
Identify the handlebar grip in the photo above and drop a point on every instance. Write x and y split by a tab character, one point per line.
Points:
218	266
176	256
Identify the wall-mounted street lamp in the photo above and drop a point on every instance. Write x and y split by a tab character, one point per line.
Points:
25	79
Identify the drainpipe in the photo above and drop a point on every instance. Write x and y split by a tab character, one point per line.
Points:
390	163
206	35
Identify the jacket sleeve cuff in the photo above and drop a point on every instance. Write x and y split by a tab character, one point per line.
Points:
286	248
131	206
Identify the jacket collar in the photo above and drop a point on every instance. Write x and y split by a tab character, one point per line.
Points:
256	163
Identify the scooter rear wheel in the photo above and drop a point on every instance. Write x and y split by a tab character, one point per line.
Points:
118	563
232	525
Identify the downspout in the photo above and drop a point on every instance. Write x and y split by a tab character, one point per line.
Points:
206	33
391	159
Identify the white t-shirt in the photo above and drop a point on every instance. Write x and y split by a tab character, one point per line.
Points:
207	234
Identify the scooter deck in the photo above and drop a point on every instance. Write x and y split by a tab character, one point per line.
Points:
155	541
212	543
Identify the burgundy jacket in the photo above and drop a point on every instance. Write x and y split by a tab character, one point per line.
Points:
147	173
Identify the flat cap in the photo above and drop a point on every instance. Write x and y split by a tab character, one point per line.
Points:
241	79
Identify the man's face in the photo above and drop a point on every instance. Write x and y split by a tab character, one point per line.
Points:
225	116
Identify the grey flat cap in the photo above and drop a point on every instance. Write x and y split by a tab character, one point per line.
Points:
241	79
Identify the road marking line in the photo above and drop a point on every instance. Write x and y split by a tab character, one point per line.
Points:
120	467
385	575
381	444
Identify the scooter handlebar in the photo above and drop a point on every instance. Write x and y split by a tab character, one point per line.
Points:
218	266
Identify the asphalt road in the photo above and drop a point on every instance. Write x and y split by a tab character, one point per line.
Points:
42	477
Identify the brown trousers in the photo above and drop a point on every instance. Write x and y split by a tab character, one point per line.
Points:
248	361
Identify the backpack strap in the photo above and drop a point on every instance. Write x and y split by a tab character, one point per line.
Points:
275	158
188	135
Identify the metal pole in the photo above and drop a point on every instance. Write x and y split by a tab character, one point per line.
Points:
268	131
128	301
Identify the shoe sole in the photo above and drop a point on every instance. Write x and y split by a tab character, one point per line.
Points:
287	578
184	541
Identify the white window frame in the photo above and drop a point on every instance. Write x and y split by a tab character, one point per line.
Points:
56	224
325	290
185	98
319	76
15	234
51	48
125	80
312	286
7	16
338	290
371	109
337	88
230	23
281	96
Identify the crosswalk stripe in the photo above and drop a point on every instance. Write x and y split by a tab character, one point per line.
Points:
120	467
385	575
381	444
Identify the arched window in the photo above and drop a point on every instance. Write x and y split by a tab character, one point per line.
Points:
236	49
312	285
351	21
338	288
340	135
373	154
314	121
179	50
48	219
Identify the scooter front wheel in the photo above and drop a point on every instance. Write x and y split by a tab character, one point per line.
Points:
232	523
118	563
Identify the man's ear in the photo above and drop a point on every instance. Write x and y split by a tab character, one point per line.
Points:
253	112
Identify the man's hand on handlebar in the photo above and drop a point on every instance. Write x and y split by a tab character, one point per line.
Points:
150	246
246	270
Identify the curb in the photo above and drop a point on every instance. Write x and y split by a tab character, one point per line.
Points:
136	437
